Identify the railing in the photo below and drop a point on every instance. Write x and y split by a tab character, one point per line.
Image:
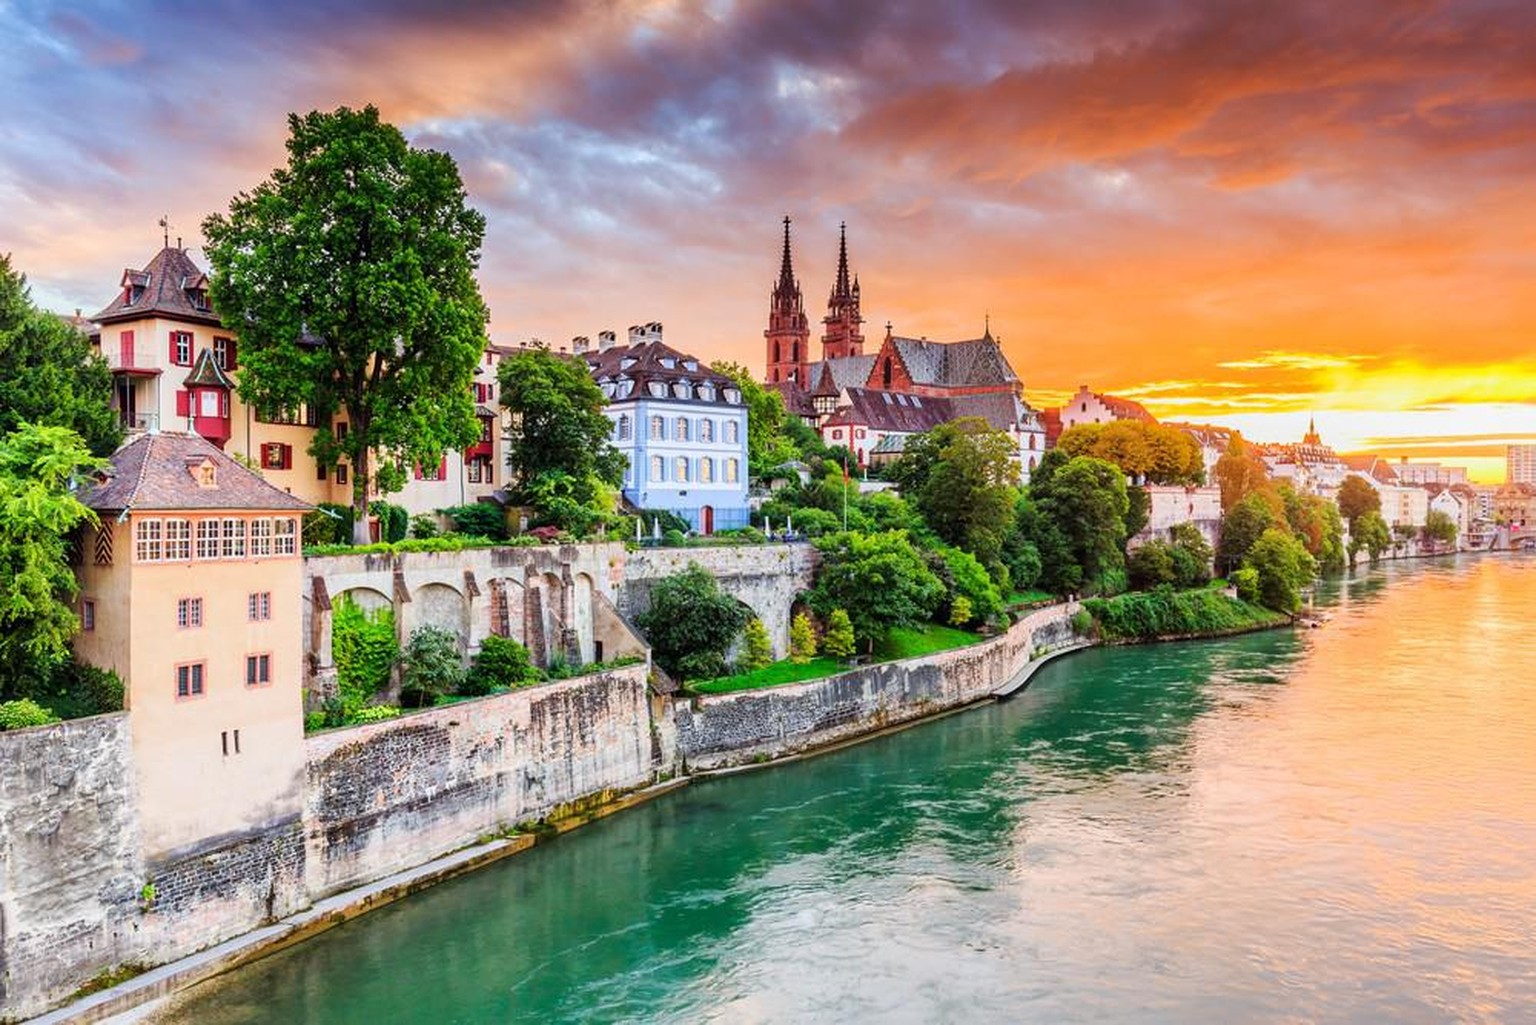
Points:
140	422
125	358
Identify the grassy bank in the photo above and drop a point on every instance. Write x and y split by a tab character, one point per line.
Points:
1149	615
902	642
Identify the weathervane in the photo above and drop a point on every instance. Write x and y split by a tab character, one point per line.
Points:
165	229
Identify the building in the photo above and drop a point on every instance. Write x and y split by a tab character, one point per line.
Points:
681	426
1520	464
190	590
1458	504
1429	473
1514	505
868	401
1310	466
1087	407
1213	441
175	367
1169	505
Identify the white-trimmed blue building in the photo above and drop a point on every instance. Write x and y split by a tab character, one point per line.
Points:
681	426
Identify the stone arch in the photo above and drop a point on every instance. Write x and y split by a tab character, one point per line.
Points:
582	588
366	598
443	606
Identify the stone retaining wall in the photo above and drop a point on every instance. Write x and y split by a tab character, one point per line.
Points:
720	730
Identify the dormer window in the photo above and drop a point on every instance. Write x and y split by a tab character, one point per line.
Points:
659	389
733	396
691	365
626	362
205	472
707	392
669	362
682	390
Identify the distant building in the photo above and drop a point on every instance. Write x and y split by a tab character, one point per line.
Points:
190	591
1515	505
1429	473
1213	442
1087	407
1311	467
1171	505
681	426
1520	464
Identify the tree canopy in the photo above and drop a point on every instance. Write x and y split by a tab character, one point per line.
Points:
1283	567
48	373
1369	532
961	478
1439	526
691	624
1149	453
879	579
1356	498
1245	523
771	439
1240	472
349	277
1316	524
1080	530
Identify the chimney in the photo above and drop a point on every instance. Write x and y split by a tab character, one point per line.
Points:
636	334
606	340
653	330
580	344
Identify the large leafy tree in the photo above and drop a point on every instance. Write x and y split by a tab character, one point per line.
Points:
1371	533
1283	566
558	452
691	624
961	477
1439	526
41	469
1149	453
1240	472
1082	507
880	579
1245	523
349	276
1316	524
771	435
48	373
1356	498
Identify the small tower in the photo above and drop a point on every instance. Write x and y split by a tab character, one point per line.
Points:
1312	437
789	332
842	337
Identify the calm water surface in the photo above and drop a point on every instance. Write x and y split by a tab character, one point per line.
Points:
1334	825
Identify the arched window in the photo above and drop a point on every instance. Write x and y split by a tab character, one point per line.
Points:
794	352
626	427
706	430
732	468
706	470
682	428
658	468
658	428
682	469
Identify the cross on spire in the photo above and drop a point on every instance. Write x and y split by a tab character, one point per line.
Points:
786	268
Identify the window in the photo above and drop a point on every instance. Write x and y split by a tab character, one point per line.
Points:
224	353
258	606
146	541
485	430
189	680
301	415
285	536
261	538
341	473
625	427
433	472
706	430
208	539
682	428
178	540
682	469
730	431
88	615
233	546
258	670
276	456
658	428
189	613
658	468
731	471
181	348
706	470
322	472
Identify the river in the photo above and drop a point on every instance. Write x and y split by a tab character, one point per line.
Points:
1327	825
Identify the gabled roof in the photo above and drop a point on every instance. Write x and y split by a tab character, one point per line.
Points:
1127	409
168	284
155	472
207	373
654	362
969	363
826	386
847	371
893	411
797	401
1372	466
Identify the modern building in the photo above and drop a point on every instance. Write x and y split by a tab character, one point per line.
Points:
1429	473
681	426
191	591
1520	464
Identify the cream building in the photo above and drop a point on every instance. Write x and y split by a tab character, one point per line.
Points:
190	590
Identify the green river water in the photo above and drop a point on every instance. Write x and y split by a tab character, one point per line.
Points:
1327	825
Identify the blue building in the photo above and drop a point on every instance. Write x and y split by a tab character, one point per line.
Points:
681	426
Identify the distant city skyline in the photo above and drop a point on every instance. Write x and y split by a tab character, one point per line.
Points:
1244	215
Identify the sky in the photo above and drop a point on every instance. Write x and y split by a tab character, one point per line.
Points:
1247	213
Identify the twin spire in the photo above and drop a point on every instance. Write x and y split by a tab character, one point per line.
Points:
845	288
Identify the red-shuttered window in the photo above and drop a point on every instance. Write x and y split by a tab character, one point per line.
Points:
181	348
276	455
224	353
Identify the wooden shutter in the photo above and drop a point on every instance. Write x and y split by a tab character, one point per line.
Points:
183	401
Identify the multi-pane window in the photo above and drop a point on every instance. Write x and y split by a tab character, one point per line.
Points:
682	469
224	352
682	428
706	470
146	541
730	431
178	540
88	615
189	613
258	606
706	430
658	428
658	468
261	538
258	670
233	546
731	470
207	539
626	427
189	680
285	535
181	348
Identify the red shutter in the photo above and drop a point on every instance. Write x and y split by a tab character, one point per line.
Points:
183	403
442	469
224	404
418	471
125	340
287	457
229	348
171	355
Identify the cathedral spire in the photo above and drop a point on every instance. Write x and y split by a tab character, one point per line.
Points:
842	290
789	333
786	268
842	337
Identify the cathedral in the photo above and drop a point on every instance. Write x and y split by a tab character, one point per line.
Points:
871	403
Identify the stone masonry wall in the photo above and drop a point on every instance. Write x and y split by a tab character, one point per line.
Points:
719	730
388	795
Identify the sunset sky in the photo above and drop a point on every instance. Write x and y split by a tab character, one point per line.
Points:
1244	213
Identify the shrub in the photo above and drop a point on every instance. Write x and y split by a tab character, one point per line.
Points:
701	665
393	520
365	650
674	539
430	667
690	616
757	649
75	689
17	715
669	521
802	639
838	640
960	611
481	519
314	721
1164	612
500	662
373	713
1150	565
1082	622
967	578
423	526
1246	581
328	524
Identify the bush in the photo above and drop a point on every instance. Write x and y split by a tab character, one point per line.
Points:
423	526
802	639
373	713
500	662
480	519
690	616
1082	622
365	650
18	715
1246	581
838	640
1164	612
674	539
328	524
76	689
757	649
668	520
960	611
430	667
393	520
1150	565
701	665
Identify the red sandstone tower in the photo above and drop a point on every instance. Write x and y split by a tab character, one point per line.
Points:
842	337
789	332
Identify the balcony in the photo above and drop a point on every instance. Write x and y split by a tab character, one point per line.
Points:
149	422
124	360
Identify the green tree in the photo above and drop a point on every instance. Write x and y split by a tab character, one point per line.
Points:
756	648
961	478
1283	566
1240	472
1020	554
365	649
48	373
430	666
1371	534
559	457
838	641
41	470
1082	508
1356	498
691	623
802	639
1316	524
500	662
1438	526
1148	453
960	612
1151	565
349	277
770	431
1244	524
1191	554
881	578
967	580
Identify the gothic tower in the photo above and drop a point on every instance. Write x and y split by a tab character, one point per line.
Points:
842	337
789	332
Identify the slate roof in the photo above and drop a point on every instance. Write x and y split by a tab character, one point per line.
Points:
168	282
649	366
893	411
206	373
1127	409
797	401
969	363
847	371
1375	467
153	472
